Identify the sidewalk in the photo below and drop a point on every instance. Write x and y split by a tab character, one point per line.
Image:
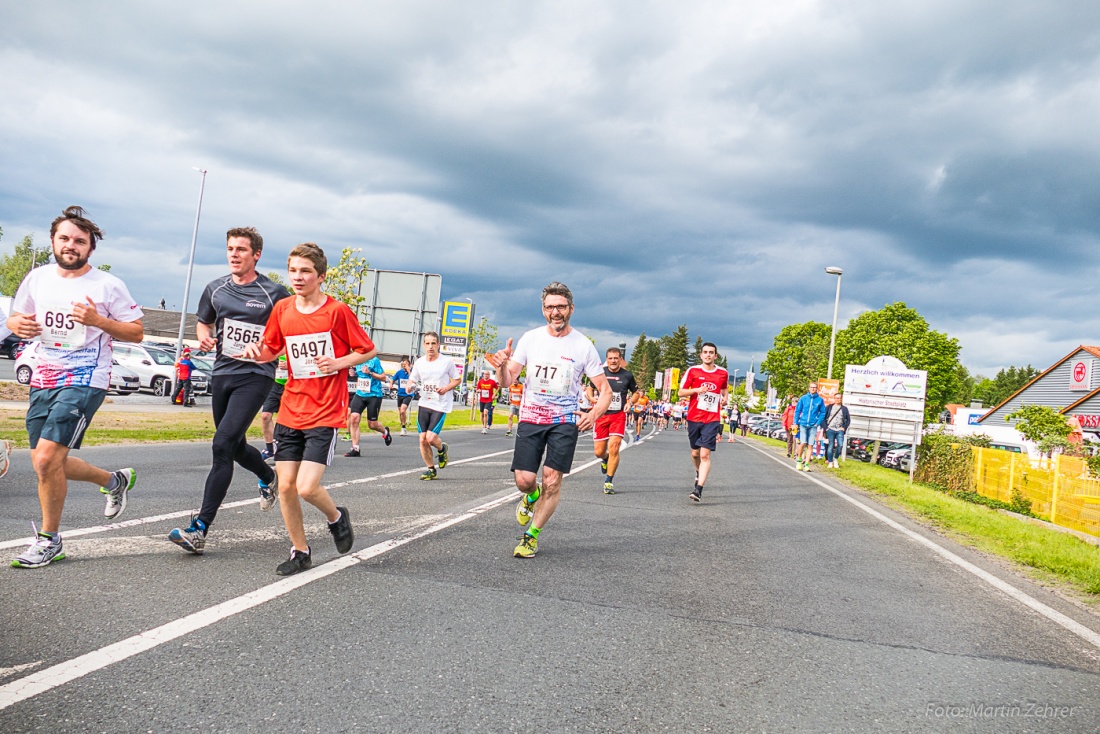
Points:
110	406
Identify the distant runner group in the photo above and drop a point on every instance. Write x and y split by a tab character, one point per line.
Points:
286	354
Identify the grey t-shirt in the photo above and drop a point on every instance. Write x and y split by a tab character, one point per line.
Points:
245	304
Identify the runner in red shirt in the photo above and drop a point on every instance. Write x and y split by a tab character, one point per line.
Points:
707	385
322	338
486	395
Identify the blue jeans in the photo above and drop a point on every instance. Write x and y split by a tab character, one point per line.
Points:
834	444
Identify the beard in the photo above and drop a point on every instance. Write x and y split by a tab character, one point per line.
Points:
555	326
71	261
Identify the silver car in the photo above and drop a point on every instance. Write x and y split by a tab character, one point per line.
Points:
155	368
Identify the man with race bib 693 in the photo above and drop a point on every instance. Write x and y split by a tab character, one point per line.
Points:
233	310
707	385
556	357
74	311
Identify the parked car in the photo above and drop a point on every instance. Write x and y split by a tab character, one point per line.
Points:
123	381
10	346
766	427
206	365
156	368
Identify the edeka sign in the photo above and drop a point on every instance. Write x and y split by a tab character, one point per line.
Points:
455	332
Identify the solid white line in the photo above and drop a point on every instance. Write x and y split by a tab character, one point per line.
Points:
77	532
1023	597
70	670
57	675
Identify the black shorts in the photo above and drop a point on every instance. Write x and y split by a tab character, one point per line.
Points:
558	441
372	404
428	420
404	400
703	435
314	444
486	405
274	399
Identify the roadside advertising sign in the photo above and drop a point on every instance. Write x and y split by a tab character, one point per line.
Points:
827	388
454	332
885	400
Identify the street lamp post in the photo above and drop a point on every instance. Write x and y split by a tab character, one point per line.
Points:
622	348
838	272
190	266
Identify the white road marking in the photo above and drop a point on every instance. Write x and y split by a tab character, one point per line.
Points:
70	670
5	672
1023	597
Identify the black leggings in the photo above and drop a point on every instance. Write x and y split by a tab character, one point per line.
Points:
236	401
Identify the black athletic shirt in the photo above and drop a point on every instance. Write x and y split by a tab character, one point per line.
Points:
622	383
251	304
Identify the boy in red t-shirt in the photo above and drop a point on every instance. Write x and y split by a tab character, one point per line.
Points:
486	395
706	386
322	338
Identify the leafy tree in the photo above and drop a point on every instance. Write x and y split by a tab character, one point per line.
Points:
276	277
899	331
344	282
14	267
483	339
1040	423
799	355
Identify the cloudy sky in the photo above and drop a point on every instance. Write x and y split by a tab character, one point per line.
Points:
673	162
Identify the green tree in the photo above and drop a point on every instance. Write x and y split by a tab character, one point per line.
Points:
899	331
1044	425
14	267
344	282
276	277
483	339
674	349
799	354
1000	388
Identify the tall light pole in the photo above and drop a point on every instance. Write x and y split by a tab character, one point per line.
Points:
838	272
735	378
190	265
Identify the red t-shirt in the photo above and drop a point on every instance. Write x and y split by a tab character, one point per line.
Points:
716	383
314	402
486	390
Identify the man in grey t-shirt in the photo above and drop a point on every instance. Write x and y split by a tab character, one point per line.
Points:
232	313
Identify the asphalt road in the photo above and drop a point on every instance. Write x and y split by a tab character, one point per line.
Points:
775	605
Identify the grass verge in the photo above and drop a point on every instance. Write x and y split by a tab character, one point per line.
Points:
1045	554
113	427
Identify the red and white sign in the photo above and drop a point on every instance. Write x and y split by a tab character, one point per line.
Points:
1088	421
1080	375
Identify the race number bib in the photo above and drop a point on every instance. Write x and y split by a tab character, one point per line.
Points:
237	335
363	384
302	353
707	402
616	401
281	372
486	395
401	385
555	378
59	330
428	391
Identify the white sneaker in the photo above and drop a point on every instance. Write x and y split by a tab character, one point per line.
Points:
116	498
484	430
404	432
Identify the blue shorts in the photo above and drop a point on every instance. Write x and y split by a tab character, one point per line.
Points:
807	434
60	414
703	435
430	421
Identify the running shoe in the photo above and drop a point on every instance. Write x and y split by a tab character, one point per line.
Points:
342	532
429	474
193	539
42	552
404	432
484	430
696	494
608	488
269	493
441	455
798	464
116	498
527	547
507	434
298	561
387	437
5	458
352	454
525	511
267	455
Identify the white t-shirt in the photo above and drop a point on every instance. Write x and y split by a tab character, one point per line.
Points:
432	376
70	353
555	365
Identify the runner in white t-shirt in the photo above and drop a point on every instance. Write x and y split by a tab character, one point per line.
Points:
435	377
556	358
74	311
